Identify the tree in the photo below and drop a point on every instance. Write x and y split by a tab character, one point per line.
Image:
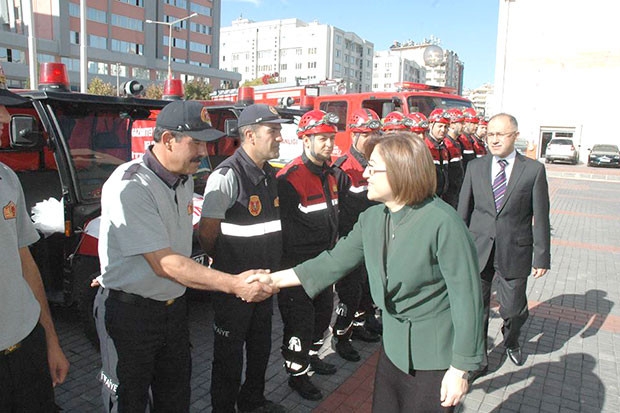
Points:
154	91
198	89
99	87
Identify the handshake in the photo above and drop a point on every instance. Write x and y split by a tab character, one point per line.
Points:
259	285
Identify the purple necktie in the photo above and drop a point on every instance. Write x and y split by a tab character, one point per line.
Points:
499	184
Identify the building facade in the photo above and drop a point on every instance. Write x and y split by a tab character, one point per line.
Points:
557	75
117	33
481	98
391	68
447	71
294	49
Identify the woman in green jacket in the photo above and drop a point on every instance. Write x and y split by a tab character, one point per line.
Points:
423	273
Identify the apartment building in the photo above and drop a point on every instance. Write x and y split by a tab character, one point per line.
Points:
121	44
447	72
391	68
481	97
298	50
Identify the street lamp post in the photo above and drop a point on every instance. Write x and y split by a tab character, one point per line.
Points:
170	24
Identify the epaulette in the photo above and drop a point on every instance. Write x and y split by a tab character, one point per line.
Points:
223	170
131	171
341	160
287	170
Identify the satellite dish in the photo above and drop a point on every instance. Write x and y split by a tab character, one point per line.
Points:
433	55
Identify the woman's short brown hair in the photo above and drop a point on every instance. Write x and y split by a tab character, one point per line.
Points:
409	164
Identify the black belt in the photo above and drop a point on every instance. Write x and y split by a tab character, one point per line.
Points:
10	349
135	299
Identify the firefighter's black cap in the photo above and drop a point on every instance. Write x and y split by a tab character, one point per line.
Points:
259	113
190	118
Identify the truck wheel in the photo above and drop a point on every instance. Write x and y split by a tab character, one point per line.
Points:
84	270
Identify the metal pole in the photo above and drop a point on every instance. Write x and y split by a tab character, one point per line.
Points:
83	49
170	24
32	44
169	51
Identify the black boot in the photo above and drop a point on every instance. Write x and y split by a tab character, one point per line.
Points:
345	349
321	367
361	333
305	388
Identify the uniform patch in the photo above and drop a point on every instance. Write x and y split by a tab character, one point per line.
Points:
190	207
254	206
10	210
335	188
276	202
204	116
273	110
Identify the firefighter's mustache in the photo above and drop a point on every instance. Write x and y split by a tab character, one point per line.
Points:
198	159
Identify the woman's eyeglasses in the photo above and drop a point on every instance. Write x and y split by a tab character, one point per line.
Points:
372	170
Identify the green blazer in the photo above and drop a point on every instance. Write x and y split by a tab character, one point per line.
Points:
426	281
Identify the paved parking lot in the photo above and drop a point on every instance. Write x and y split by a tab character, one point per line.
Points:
572	338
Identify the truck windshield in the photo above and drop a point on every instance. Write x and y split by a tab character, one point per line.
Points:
98	139
426	104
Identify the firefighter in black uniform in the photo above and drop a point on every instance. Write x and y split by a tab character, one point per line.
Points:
456	172
240	228
434	139
309	193
355	306
466	138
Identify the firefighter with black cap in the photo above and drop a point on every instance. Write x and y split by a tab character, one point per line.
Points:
144	247
355	308
240	229
32	362
309	193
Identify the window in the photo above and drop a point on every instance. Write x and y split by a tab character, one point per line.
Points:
140	73
74	10
11	55
337	67
200	9
139	3
298	51
42	58
283	66
200	28
201	48
118	70
297	65
127	22
97	41
311	65
178	43
98	68
178	25
338	39
312	50
71	64
126	47
182	4
96	15
338	53
74	37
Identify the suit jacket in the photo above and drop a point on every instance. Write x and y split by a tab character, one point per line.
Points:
427	283
520	231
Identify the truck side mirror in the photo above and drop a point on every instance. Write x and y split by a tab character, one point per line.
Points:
230	126
24	132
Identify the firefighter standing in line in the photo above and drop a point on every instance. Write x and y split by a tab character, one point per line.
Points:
434	139
355	304
456	171
466	139
309	192
240	229
419	125
480	137
32	362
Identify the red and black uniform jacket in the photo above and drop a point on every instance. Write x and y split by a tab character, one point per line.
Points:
456	172
479	147
467	144
441	157
309	196
355	199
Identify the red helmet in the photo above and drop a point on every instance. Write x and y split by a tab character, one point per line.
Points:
317	122
364	120
483	120
396	121
439	115
470	115
420	123
456	115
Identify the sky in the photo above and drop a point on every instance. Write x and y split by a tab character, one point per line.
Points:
467	27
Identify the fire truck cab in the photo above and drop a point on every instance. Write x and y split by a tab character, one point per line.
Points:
410	97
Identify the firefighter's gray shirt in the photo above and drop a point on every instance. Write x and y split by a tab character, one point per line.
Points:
144	208
19	309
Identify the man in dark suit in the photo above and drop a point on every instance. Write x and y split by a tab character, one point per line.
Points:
505	202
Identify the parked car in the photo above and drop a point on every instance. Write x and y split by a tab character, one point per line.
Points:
561	149
604	155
